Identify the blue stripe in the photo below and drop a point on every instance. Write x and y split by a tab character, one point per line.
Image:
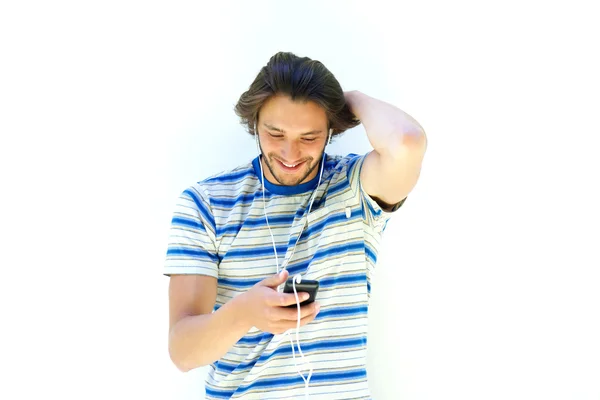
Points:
286	349
362	210
370	253
239	283
342	280
255	223
244	283
372	210
339	249
219	394
296	379
341	312
254	252
300	267
204	212
353	158
227	368
179	221
202	254
231	176
338	187
255	339
286	221
321	344
328	220
241	200
274	220
231	202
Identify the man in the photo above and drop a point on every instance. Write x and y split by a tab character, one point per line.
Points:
295	210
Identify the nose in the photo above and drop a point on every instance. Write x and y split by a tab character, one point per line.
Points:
290	151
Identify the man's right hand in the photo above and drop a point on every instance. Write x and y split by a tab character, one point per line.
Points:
265	307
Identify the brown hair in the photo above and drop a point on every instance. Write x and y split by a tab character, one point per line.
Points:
303	80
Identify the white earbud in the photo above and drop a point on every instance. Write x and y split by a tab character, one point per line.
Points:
256	137
329	140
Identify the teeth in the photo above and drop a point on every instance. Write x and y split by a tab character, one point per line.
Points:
289	166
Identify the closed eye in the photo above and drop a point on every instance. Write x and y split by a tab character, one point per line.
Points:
307	140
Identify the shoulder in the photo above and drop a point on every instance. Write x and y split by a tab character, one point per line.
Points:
341	163
226	181
221	191
344	168
230	177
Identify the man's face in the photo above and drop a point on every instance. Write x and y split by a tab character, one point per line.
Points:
292	137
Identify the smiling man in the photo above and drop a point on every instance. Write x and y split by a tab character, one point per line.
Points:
291	155
295	210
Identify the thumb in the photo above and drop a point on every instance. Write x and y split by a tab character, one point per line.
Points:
275	280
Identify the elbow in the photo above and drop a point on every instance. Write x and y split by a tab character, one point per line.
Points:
177	352
181	366
179	361
184	364
183	357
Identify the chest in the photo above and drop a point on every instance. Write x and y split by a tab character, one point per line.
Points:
324	243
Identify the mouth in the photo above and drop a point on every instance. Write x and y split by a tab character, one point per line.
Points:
290	167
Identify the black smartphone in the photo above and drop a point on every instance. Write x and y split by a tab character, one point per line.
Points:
308	286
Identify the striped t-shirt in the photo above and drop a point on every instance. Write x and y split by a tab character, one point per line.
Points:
219	229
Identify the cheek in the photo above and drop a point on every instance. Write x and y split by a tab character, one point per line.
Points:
314	150
277	147
270	146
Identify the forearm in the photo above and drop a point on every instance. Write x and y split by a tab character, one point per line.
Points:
387	127
198	340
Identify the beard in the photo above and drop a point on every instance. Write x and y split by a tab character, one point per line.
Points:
286	179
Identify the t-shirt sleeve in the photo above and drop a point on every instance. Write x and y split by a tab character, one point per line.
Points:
373	213
191	244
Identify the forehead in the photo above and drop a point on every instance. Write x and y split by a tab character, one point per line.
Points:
292	116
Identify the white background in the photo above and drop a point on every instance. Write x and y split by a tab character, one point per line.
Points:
488	279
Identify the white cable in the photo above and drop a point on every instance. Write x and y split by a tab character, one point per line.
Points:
306	220
310	368
306	380
264	201
265	207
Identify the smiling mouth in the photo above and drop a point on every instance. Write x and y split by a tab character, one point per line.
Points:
290	167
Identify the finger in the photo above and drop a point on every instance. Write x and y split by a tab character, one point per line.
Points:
287	299
284	325
275	280
291	314
305	311
308	318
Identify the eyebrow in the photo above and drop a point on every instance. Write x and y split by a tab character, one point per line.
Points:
273	128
